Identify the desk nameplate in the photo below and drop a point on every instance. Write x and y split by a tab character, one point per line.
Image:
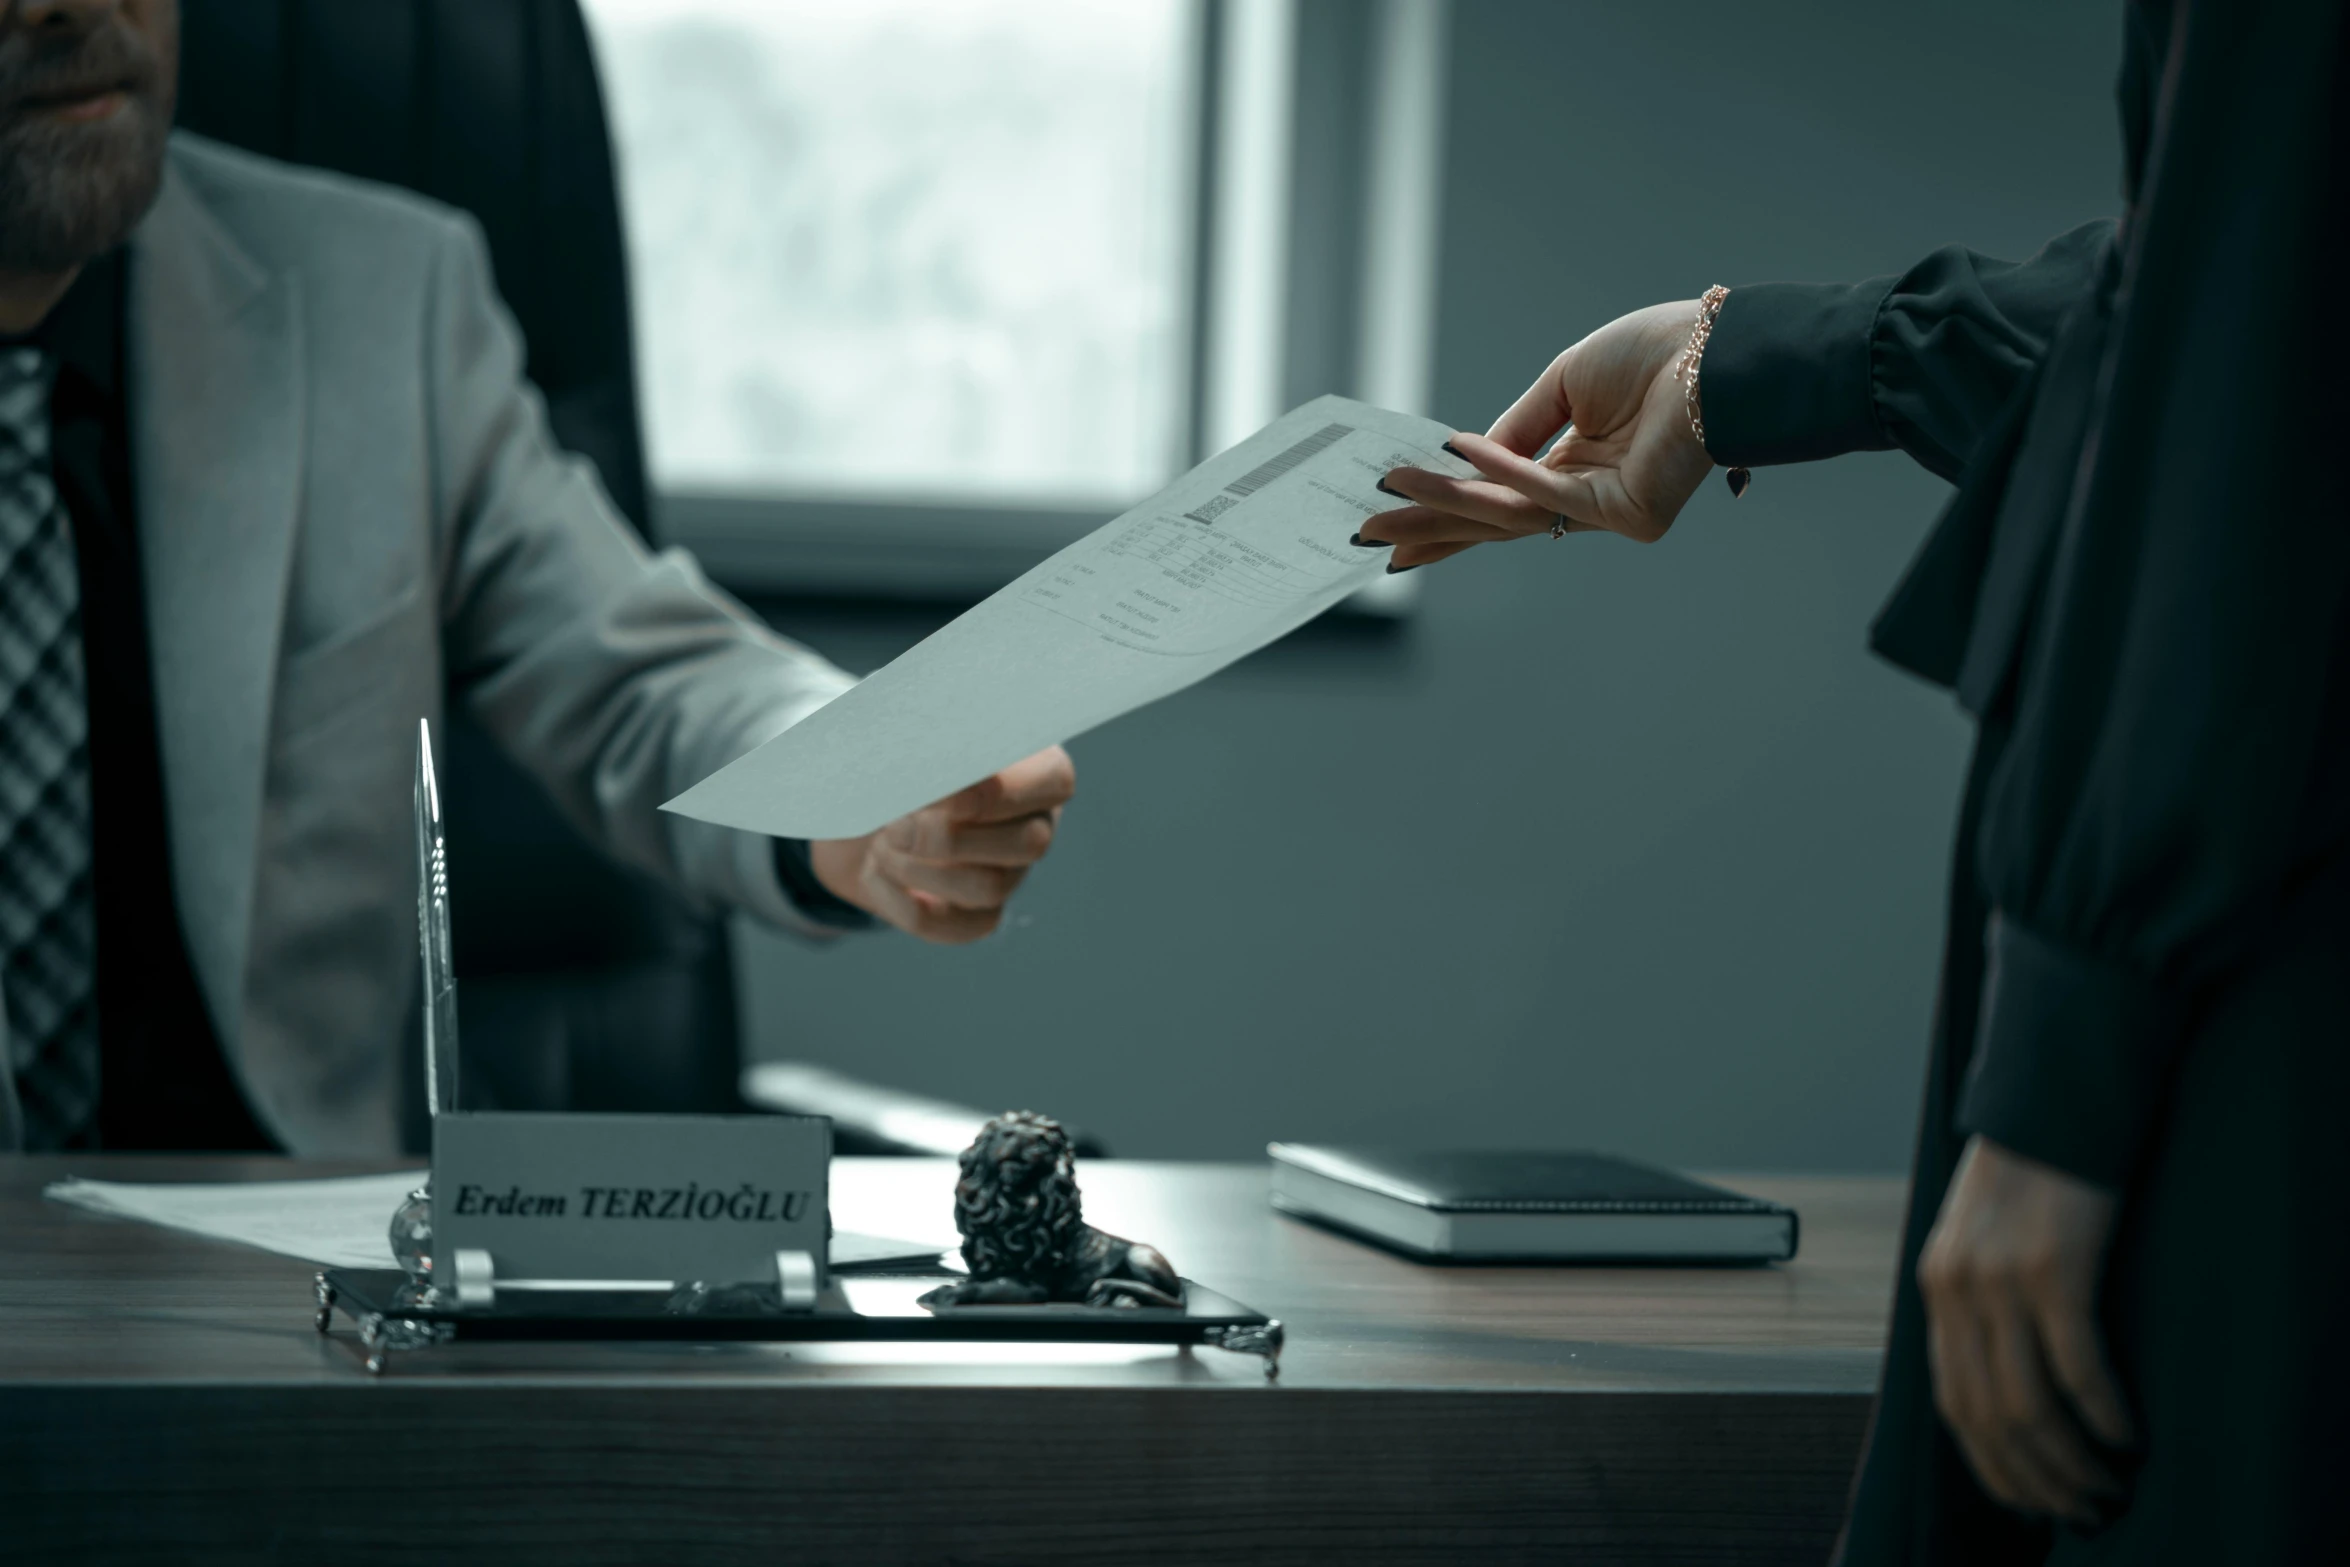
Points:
679	1198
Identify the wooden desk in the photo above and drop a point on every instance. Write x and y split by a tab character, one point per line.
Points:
165	1398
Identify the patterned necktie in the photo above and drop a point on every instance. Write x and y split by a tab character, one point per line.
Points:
48	935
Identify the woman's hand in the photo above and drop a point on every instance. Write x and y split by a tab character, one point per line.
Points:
1626	464
2010	1280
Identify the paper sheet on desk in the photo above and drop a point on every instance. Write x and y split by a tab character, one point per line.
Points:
344	1222
1244	548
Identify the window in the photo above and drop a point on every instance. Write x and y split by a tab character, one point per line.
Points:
925	289
927	248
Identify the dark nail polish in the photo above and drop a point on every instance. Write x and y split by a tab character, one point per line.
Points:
1456	451
1361	543
1397	571
1384	488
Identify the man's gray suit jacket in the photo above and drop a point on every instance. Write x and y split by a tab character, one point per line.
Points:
346	492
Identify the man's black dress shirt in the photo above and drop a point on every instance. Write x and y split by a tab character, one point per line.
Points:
164	1081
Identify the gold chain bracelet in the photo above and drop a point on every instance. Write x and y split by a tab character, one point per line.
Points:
1709	306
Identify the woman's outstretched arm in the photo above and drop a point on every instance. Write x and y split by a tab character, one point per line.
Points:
1924	361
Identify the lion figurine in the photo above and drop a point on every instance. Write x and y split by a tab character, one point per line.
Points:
1025	1238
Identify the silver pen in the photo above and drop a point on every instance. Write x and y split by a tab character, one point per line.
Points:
439	957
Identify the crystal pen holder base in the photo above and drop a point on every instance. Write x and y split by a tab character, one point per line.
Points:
393	1313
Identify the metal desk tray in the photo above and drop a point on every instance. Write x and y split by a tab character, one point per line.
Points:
874	1307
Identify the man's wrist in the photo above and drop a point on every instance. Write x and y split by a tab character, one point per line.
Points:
795	867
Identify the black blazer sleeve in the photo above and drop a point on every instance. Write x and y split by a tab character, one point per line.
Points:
1923	361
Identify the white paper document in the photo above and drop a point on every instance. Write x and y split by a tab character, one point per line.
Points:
343	1222
1244	548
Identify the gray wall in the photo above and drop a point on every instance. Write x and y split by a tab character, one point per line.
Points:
1614	846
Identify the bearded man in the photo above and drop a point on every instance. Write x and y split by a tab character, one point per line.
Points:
270	476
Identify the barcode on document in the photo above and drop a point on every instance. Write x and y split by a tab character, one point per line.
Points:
1270	469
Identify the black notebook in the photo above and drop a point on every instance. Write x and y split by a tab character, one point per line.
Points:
1561	1207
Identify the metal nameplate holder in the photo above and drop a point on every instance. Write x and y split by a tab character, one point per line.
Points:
675	1227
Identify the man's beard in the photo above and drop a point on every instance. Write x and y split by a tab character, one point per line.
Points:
70	192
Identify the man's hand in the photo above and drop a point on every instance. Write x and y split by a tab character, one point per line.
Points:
2010	1280
944	872
1626	463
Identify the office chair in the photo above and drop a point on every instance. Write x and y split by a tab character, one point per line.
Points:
587	985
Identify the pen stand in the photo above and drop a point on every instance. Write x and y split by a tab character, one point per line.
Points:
690	1229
